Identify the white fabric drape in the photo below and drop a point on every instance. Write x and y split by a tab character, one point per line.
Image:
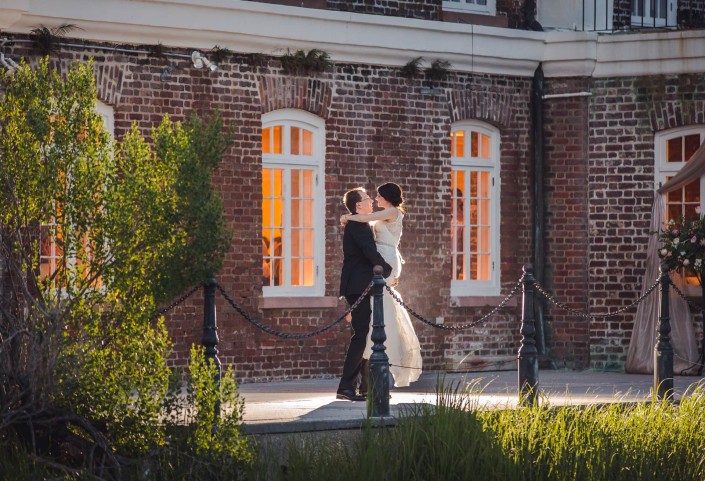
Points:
640	357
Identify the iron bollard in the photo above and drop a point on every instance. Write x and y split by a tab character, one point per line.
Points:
663	351
527	357
210	334
379	361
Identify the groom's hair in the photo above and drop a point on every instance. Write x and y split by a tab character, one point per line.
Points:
352	197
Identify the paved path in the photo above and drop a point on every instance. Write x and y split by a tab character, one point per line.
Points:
310	405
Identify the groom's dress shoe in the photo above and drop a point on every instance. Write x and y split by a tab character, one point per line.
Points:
349	395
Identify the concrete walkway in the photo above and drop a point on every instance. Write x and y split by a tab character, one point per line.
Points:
310	405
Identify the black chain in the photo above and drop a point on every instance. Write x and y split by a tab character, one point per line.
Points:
685	298
289	335
550	298
479	321
178	301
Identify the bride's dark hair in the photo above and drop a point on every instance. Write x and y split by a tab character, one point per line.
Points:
393	194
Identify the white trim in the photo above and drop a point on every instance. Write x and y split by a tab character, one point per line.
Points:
493	166
316	162
646	21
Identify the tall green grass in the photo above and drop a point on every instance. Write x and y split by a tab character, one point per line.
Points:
456	440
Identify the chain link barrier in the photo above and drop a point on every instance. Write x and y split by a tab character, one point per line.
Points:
468	325
550	298
693	305
290	335
171	306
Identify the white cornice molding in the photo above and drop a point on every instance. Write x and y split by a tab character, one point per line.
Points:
253	27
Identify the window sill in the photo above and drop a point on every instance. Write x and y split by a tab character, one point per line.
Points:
481	301
298	302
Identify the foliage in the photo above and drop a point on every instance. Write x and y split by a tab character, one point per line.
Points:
439	70
683	244
82	355
304	63
46	40
412	68
220	54
459	440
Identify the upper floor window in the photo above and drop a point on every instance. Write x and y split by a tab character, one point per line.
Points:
654	13
487	7
293	209
475	174
673	150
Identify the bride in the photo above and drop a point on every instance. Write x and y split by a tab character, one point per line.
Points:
402	345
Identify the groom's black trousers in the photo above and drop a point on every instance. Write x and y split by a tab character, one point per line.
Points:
353	358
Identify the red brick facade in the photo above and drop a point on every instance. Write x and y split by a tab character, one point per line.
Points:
381	126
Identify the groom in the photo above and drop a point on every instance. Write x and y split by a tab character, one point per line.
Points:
359	257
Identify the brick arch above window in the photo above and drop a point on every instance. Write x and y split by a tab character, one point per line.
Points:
494	108
676	113
108	81
310	95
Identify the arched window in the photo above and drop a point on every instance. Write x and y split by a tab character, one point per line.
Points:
673	150
293	152
475	171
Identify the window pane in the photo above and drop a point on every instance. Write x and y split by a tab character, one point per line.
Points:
277	138
690	211
473	239
295	213
307	213
277	182
692	142
266	140
295	140
674	211
277	249
485	146
308	183
484	185
460	143
309	271
474	147
278	213
296	242
692	192
308	242
484	240
484	208
296	272
266	213
473	184
308	142
674	150
483	267
295	183
266	257
266	183
675	195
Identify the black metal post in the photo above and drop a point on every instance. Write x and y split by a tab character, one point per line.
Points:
527	358
663	351
379	361
210	333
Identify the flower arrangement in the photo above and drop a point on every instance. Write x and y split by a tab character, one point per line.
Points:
683	244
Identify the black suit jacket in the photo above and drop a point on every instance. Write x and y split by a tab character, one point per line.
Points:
359	257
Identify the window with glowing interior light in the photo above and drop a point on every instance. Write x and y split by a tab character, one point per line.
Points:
51	245
293	152
474	229
673	150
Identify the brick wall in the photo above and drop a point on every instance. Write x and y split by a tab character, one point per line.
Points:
624	115
379	127
566	241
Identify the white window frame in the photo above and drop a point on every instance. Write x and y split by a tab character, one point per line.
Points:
648	21
299	118
482	287
665	169
462	6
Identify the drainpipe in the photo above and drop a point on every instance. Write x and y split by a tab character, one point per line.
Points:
538	214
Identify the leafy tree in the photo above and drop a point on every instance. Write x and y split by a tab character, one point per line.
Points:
130	225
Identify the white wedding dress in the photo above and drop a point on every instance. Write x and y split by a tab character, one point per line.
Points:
402	345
